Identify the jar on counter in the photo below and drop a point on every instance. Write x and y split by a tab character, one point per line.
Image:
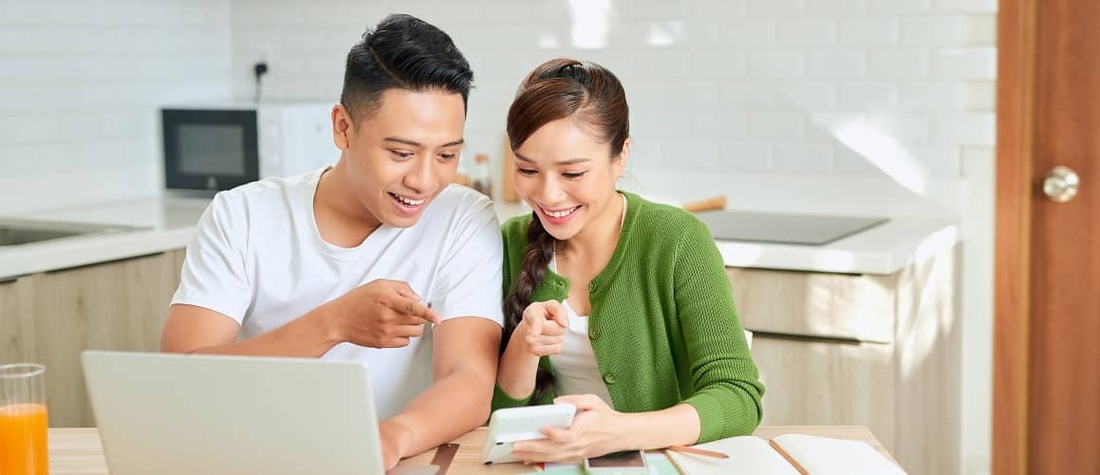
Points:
481	177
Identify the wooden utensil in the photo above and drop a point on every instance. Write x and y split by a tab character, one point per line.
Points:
715	203
695	451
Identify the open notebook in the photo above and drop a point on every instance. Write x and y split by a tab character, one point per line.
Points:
787	454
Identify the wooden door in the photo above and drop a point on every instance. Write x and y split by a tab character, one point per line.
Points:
1046	416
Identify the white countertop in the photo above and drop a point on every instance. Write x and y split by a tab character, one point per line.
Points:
166	223
169	223
883	249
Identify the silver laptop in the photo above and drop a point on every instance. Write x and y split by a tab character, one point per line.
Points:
214	415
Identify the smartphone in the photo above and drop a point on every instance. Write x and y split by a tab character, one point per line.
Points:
522	423
630	462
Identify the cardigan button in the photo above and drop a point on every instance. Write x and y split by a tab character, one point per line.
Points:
609	378
594	333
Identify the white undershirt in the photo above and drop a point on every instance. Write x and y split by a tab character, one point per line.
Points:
575	367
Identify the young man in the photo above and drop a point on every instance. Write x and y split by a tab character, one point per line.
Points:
356	261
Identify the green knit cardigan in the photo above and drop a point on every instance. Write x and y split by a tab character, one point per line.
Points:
663	325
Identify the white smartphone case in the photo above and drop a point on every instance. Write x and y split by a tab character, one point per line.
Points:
522	423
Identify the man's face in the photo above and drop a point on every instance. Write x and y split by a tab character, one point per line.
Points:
399	159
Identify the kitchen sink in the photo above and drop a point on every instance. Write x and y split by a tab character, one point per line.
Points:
18	232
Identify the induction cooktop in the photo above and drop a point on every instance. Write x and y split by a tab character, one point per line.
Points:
813	230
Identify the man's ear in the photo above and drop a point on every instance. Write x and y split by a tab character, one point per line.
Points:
342	127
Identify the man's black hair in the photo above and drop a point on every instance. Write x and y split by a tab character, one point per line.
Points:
402	52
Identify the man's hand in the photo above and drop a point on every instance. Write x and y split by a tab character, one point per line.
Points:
381	314
395	442
464	358
542	330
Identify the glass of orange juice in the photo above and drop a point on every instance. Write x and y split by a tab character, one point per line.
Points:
23	420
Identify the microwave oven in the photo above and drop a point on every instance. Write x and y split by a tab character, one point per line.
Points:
214	147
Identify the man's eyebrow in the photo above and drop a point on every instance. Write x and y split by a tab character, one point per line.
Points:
413	143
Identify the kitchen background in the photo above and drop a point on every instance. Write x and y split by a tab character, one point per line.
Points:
864	107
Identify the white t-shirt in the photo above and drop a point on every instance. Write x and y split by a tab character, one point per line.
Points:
575	366
258	258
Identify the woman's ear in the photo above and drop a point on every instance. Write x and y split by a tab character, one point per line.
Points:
620	162
342	127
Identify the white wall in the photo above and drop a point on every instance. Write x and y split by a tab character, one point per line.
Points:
733	87
79	85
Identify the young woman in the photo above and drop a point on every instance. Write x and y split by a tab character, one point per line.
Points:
615	304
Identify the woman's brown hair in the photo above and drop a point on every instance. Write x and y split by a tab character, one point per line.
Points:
556	89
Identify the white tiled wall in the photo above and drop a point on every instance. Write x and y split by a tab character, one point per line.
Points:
79	85
743	86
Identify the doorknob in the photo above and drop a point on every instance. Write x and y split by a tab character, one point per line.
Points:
1060	184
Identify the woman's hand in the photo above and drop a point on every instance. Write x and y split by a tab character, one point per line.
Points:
597	429
542	330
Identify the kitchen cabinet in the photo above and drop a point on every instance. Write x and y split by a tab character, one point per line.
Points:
876	350
51	317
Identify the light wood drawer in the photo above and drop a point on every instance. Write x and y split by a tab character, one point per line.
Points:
821	305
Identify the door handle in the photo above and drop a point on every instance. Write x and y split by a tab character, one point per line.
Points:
1060	184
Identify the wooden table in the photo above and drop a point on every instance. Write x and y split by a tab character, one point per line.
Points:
78	451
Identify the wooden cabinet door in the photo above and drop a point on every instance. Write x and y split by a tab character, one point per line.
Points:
16	323
119	305
815	382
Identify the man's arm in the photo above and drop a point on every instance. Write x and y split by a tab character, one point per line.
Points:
192	329
381	314
465	358
215	292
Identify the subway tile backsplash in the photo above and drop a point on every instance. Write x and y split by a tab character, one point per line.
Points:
739	86
773	78
79	85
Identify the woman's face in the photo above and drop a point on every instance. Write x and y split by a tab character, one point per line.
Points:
565	174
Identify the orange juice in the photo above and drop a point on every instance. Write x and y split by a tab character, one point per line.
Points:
23	440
